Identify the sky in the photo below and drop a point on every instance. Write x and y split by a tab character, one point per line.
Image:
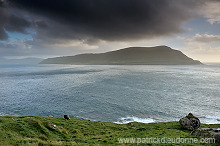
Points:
49	28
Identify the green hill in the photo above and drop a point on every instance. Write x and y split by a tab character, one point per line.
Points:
33	130
160	55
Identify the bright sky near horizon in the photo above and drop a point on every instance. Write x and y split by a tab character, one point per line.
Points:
36	28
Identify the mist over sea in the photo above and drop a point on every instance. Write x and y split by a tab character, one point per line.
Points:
123	93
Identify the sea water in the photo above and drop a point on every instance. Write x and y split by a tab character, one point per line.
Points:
120	93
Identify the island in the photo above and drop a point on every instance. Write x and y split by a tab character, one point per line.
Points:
159	55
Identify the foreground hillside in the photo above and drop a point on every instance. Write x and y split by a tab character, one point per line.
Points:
33	130
160	55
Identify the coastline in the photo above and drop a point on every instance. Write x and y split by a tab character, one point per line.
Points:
27	130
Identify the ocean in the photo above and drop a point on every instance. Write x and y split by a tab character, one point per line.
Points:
112	93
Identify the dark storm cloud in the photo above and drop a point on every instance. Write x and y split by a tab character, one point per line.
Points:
111	20
1	3
16	23
3	17
3	35
11	21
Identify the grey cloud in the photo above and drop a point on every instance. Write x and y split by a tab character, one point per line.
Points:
16	23
90	21
3	18
211	11
2	3
3	35
14	48
11	21
205	38
108	20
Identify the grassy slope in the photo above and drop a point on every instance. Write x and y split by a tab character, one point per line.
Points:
33	130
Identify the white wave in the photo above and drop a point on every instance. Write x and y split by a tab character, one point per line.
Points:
210	119
130	119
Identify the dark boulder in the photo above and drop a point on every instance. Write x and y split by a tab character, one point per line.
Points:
190	122
207	133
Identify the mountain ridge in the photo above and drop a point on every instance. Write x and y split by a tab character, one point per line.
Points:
30	60
158	55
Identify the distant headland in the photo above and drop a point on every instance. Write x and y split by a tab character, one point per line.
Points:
159	55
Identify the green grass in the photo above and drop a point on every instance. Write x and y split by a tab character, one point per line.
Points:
33	130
